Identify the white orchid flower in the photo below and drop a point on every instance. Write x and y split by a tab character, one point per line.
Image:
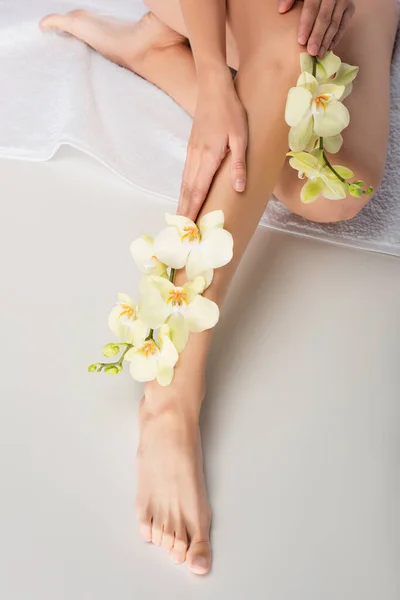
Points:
125	323
321	180
142	250
326	67
182	308
201	248
154	360
314	108
330	69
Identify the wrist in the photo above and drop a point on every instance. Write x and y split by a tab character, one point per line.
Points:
217	73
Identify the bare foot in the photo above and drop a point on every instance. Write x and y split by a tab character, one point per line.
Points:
172	505
122	42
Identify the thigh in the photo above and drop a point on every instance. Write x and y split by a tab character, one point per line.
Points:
368	43
170	13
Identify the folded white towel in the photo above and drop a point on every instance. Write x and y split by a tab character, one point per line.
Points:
55	90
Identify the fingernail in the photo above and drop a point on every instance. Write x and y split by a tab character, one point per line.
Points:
302	40
313	49
239	185
331	46
322	51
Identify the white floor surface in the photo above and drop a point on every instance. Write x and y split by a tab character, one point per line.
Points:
301	424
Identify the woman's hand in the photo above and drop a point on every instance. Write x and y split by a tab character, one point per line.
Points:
322	22
219	126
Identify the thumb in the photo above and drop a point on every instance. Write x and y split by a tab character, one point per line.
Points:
285	5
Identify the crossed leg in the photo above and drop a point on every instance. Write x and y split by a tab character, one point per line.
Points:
172	505
157	49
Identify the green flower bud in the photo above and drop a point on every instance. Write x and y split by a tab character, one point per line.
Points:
111	350
359	182
112	370
92	368
355	190
370	190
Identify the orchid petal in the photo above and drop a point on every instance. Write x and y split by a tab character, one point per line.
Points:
217	248
347	91
332	121
165	373
164	286
328	65
211	220
333	144
346	74
168	352
298	103
343	171
141	368
311	191
179	222
300	135
153	310
125	299
330	89
195	287
306	62
169	249
308	82
178	330
142	250
139	332
305	163
201	314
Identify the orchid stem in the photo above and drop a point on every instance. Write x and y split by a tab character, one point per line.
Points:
119	362
314	67
172	275
328	164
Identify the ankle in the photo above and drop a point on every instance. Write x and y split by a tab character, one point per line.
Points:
178	401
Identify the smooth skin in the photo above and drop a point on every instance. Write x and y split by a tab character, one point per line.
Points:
172	505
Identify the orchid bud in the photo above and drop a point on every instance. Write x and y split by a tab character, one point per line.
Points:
355	190
111	350
112	370
92	368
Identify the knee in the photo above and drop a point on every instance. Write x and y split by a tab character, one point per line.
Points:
274	46
334	211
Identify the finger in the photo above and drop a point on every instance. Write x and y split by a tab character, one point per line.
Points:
307	20
238	165
333	28
347	16
321	26
189	172
197	194
285	5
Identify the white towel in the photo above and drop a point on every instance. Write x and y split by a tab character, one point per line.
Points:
54	90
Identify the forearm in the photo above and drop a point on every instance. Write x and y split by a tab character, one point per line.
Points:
205	21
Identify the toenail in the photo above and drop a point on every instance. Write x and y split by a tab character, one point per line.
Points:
200	562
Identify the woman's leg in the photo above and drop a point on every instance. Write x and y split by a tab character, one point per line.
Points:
171	493
172	504
368	43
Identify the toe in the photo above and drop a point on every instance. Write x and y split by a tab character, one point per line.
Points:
53	21
157	532
199	556
145	530
71	23
168	538
178	552
144	516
